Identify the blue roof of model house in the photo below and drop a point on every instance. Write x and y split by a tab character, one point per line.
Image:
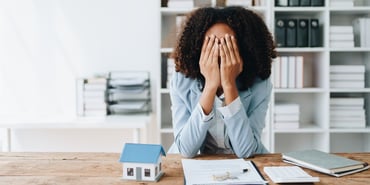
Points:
141	153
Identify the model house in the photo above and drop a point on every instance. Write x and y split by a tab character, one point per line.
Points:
142	162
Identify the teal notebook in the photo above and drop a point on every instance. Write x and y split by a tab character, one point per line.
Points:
324	162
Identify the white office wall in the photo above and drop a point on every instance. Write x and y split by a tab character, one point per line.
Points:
46	44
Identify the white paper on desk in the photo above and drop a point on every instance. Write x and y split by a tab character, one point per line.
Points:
202	171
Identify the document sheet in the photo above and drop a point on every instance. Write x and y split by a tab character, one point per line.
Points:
227	171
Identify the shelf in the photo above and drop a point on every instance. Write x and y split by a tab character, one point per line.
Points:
258	8
365	90
165	91
301	50
299	9
350	10
175	11
314	98
166	50
355	49
303	90
304	128
350	130
166	130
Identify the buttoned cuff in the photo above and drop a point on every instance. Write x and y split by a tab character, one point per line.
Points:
231	109
205	117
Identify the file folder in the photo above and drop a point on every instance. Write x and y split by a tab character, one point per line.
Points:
293	2
302	33
315	37
317	2
280	33
281	2
291	33
305	3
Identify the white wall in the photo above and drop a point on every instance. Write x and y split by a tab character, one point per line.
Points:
46	44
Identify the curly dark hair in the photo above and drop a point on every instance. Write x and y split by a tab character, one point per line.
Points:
255	42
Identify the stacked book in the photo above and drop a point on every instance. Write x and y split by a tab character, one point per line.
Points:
129	92
286	116
347	112
361	26
170	70
341	37
347	76
245	3
180	4
91	96
341	3
323	162
288	72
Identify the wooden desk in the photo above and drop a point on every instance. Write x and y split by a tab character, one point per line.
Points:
104	168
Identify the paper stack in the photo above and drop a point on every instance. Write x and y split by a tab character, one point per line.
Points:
347	112
245	3
361	28
347	76
91	96
170	70
180	4
341	3
341	37
129	92
286	116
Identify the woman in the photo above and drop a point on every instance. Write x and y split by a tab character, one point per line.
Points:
221	89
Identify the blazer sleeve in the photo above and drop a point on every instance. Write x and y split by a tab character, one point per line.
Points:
245	126
190	129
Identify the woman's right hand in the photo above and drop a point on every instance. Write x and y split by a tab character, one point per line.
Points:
208	62
209	68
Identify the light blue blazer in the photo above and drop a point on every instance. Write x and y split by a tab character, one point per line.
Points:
243	129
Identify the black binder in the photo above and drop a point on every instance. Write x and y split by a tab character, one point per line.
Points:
280	33
315	37
305	3
291	33
302	33
317	2
293	2
281	2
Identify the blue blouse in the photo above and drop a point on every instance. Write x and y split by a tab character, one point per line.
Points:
243	125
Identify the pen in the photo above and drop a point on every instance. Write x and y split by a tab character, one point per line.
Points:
228	175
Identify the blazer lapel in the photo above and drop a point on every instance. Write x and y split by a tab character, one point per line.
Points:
244	94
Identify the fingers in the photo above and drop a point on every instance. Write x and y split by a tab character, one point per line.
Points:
207	48
230	46
235	46
215	52
204	46
222	51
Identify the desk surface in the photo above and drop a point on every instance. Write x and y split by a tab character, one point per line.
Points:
104	168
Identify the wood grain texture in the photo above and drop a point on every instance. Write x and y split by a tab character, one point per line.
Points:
104	168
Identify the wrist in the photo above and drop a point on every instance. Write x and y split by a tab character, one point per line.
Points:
210	87
229	85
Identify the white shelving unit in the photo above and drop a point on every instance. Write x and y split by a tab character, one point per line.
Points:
314	131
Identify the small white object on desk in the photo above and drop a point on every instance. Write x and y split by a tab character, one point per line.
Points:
288	174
